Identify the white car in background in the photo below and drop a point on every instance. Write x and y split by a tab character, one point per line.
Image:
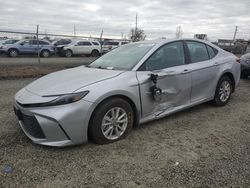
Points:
82	47
110	45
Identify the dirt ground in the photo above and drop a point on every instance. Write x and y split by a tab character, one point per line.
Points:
204	146
24	67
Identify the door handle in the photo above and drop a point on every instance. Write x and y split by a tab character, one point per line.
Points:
185	71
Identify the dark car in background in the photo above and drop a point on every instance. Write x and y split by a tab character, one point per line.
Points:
29	46
245	65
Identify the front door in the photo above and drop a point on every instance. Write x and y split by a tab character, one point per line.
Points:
26	47
173	85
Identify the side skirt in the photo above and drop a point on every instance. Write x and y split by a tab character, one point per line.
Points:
173	110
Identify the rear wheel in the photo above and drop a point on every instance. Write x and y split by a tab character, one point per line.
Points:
45	53
95	53
111	121
13	53
223	91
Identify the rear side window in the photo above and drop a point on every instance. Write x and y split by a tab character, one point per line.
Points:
111	43
198	51
83	43
124	43
96	43
170	55
43	43
211	51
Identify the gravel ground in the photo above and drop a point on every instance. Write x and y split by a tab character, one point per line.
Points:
204	146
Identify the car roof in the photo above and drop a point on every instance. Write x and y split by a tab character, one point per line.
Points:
160	42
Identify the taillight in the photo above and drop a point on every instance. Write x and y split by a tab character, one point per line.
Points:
238	60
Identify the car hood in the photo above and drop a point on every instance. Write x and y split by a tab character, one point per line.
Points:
70	80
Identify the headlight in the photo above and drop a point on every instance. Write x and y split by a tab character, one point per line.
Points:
60	100
65	99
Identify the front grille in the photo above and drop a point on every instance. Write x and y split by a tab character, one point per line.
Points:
30	124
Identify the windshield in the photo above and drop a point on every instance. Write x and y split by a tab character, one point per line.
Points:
124	57
10	41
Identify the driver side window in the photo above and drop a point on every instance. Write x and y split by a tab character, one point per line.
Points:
170	55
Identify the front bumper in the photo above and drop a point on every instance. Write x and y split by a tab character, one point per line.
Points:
58	126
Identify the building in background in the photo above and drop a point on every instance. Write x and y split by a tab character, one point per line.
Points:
201	36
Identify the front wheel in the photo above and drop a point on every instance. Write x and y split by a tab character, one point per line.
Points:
68	53
13	53
111	121
223	91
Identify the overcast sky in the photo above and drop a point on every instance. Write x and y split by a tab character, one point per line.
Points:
158	18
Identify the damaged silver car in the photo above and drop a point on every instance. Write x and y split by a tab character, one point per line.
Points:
128	86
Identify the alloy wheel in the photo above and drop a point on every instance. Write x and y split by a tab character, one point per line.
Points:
114	123
13	53
225	91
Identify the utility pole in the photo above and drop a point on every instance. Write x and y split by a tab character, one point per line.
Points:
235	33
75	30
37	40
136	22
178	33
101	40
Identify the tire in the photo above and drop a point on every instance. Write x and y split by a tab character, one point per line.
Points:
68	53
113	131
223	91
13	53
45	53
95	53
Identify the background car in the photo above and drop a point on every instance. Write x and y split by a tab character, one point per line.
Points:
245	65
133	84
7	42
29	47
82	47
110	45
59	44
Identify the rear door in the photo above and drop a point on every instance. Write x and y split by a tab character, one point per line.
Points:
204	70
83	47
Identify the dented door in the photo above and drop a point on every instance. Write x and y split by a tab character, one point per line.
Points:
175	85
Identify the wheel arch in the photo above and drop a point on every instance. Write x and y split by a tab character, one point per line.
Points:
12	48
45	49
124	97
231	76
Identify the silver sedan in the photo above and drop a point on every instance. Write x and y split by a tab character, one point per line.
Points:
128	86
